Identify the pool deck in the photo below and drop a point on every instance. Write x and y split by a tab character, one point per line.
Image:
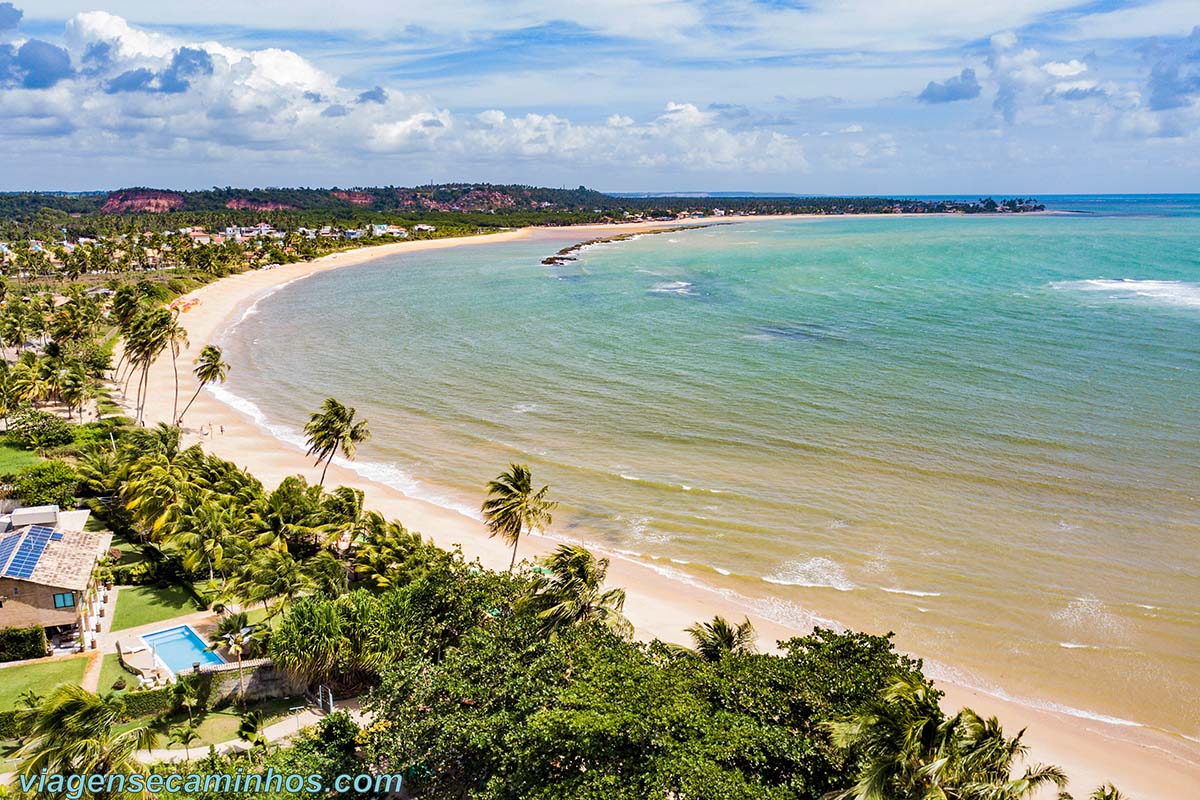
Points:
203	622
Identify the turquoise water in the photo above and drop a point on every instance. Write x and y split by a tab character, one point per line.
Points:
180	648
977	432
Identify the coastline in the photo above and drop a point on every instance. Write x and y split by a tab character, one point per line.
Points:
1143	763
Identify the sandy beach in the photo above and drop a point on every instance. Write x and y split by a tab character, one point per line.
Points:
1145	764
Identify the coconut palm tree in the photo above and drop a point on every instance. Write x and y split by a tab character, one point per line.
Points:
187	693
512	506
386	552
570	591
332	429
78	732
908	748
210	368
177	340
717	639
1107	792
251	731
185	736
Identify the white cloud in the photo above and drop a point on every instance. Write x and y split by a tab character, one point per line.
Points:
224	102
1161	18
1068	69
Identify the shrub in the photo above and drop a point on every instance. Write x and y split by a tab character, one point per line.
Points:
10	724
38	430
139	573
50	482
17	644
150	703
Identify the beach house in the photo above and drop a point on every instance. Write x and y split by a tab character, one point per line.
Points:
47	572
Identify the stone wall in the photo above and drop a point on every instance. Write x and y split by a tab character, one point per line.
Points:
260	676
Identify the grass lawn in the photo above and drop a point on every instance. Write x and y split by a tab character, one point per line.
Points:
217	726
41	677
131	552
13	458
141	605
110	670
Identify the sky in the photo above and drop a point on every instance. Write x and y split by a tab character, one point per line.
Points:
816	97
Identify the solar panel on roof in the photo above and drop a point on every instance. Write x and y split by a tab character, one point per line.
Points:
29	553
6	547
56	537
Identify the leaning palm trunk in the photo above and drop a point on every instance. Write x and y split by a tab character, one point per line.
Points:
183	413
175	369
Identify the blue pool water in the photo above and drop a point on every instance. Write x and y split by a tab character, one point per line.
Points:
180	648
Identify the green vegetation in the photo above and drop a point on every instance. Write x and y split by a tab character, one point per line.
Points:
40	678
14	458
47	483
71	716
457	206
333	429
525	683
513	506
141	605
112	672
19	644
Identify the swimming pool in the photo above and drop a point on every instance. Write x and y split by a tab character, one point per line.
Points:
179	648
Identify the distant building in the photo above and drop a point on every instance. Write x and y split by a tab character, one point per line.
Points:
424	228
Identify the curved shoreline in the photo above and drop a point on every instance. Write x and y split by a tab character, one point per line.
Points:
1145	763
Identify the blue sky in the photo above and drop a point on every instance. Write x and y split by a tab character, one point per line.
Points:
824	96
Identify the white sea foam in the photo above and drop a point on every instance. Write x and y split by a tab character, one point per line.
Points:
252	309
1090	614
672	287
942	672
1170	293
1076	646
387	474
524	408
909	592
819	572
781	611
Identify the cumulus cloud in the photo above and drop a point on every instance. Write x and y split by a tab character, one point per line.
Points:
1067	69
963	86
1175	75
376	95
36	64
203	100
186	64
10	16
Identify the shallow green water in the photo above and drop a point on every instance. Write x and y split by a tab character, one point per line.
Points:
978	432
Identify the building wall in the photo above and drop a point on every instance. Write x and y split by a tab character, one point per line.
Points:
33	604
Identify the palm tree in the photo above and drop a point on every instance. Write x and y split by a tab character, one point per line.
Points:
76	731
512	506
1107	792
386	552
717	639
331	429
908	748
570	592
209	369
251	731
187	693
177	340
201	536
184	735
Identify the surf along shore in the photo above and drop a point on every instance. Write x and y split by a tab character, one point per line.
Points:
1143	763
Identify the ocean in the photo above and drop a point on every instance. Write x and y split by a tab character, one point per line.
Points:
977	432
